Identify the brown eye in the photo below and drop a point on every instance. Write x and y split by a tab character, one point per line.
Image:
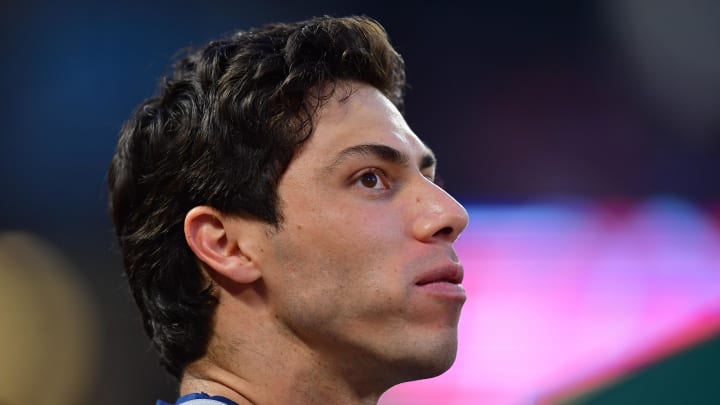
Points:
369	180
372	179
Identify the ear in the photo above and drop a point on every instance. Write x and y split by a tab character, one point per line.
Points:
217	241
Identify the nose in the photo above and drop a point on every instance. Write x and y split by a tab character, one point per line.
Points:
439	217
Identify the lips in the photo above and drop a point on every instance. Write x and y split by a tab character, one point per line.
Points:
452	274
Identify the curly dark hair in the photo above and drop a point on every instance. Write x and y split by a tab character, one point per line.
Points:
221	131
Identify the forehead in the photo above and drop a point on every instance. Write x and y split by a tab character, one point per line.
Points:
360	114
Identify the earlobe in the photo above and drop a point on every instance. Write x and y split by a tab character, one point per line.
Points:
208	233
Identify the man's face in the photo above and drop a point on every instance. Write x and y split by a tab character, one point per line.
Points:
362	270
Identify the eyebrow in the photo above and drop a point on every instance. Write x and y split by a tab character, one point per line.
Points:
383	152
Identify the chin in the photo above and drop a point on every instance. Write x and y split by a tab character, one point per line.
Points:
433	360
437	366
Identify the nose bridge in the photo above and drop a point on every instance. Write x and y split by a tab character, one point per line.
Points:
438	214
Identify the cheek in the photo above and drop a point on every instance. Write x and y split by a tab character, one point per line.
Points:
336	266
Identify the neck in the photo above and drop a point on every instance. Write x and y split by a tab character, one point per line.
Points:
272	381
254	363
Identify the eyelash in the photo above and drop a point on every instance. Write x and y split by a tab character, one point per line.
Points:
438	181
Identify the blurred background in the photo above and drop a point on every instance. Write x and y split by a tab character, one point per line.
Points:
584	138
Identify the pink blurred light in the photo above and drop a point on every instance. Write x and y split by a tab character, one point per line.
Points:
561	293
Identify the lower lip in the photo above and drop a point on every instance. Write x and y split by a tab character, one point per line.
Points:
445	290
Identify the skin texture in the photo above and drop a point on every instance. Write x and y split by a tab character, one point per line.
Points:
327	308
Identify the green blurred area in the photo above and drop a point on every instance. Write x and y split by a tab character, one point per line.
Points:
688	377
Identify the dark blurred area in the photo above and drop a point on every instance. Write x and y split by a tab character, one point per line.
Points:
521	101
686	377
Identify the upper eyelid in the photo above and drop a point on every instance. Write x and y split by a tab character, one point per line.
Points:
377	168
429	172
364	151
372	169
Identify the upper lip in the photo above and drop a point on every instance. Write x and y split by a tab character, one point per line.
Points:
451	273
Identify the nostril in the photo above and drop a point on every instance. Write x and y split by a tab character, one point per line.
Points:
444	231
